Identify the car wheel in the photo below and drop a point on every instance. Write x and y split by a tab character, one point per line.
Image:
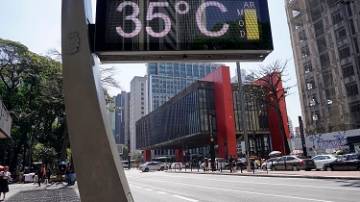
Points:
273	168
308	169
162	168
295	168
146	170
328	169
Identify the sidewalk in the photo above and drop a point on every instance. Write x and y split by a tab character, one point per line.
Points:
50	193
343	175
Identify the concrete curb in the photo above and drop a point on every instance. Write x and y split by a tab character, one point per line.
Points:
275	175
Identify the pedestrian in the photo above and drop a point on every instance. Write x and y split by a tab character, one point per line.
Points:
5	176
231	164
48	175
41	174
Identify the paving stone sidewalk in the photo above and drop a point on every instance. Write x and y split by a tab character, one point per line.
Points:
50	193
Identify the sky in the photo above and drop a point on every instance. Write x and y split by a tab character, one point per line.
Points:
37	24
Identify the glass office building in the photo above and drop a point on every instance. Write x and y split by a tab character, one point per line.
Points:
167	79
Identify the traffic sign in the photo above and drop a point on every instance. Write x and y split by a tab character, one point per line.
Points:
150	30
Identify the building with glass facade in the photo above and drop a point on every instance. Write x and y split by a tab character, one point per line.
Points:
167	79
208	112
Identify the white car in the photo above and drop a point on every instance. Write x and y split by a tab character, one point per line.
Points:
151	166
321	160
30	177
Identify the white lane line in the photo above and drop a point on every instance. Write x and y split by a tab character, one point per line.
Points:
161	192
185	198
246	192
273	184
148	189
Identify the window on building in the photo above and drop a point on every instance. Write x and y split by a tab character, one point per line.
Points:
302	35
337	17
325	60
315	116
305	52
330	93
313	101
328	79
319	28
307	67
310	84
355	111
351	22
344	53
348	70
340	34
315	12
356	45
348	8
321	43
352	89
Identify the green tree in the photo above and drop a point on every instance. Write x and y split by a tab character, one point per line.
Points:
31	88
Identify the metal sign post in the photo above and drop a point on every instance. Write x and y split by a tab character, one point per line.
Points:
243	115
98	167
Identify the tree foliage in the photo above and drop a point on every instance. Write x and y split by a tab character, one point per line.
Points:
31	88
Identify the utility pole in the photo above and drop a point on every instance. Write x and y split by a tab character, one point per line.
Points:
243	117
212	142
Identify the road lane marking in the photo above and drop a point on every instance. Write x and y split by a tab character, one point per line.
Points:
161	192
185	198
272	184
148	189
247	192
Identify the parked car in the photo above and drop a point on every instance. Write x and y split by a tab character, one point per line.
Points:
321	160
346	162
177	165
293	163
152	166
269	163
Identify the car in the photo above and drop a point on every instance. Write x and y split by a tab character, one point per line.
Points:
152	166
293	163
346	162
321	160
177	165
269	163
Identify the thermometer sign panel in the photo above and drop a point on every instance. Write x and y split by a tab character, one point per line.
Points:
179	29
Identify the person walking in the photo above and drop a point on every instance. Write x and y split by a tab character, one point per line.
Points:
231	164
48	175
5	176
41	174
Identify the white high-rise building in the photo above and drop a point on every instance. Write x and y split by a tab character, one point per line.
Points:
138	106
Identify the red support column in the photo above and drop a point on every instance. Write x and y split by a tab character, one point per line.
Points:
147	155
179	155
225	123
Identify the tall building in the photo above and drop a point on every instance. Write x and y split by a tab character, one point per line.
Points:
138	106
167	79
127	119
325	43
120	115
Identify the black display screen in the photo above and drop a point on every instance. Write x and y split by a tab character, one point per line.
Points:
174	30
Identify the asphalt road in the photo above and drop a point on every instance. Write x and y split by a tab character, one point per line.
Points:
182	187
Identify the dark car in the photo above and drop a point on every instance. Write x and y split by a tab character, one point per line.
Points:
293	163
347	162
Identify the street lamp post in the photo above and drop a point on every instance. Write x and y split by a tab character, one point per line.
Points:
212	142
243	116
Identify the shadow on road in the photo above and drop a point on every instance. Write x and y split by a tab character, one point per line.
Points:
46	195
348	183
